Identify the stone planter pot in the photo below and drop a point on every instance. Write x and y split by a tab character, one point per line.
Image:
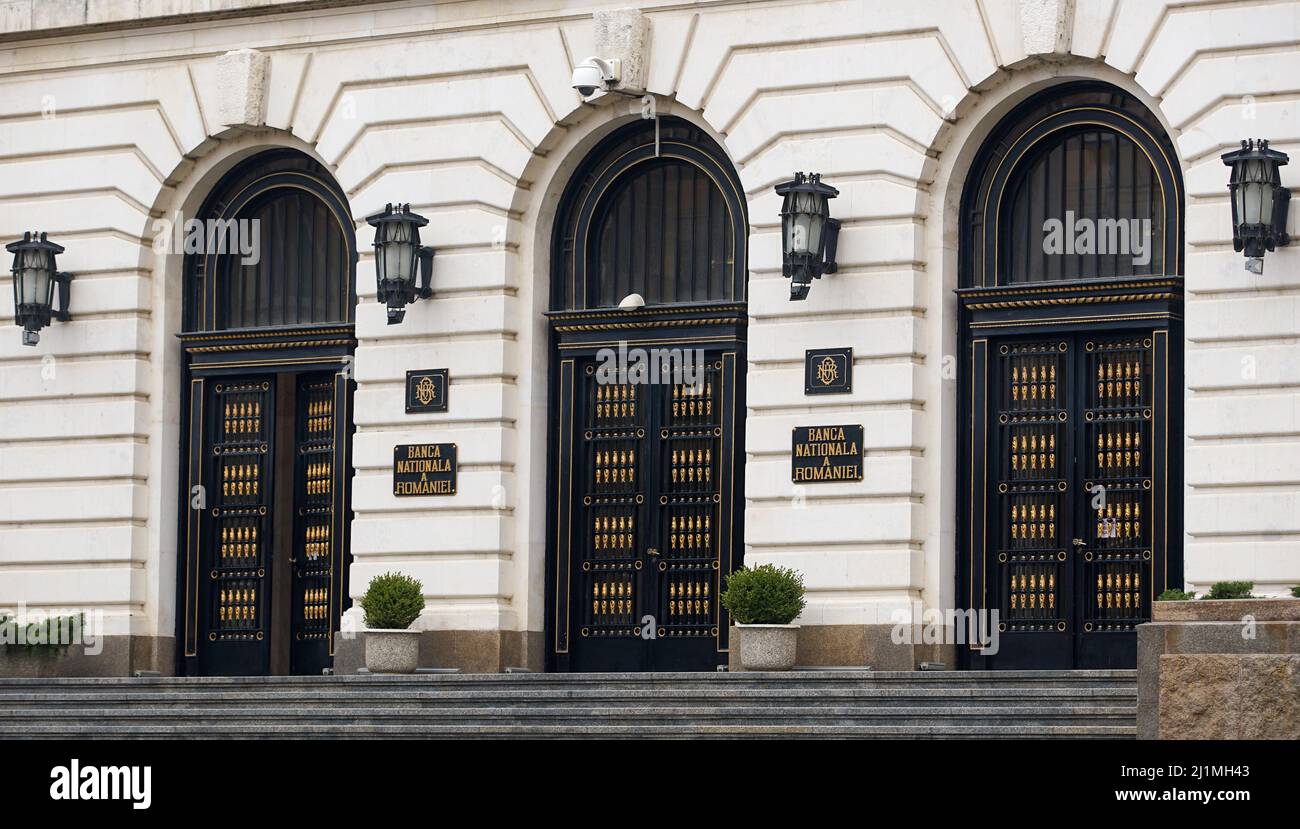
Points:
768	647
392	651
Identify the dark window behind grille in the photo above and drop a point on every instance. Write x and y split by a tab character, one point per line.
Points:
664	219
1083	181
301	272
662	232
305	264
1086	148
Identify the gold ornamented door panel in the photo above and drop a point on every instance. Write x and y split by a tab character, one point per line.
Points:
644	511
233	465
1069	488
320	476
1121	483
1034	473
690	505
264	521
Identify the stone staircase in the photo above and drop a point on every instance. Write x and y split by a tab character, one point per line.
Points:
918	704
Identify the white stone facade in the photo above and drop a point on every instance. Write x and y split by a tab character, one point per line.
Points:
114	115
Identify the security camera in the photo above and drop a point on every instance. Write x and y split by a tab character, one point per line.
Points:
596	74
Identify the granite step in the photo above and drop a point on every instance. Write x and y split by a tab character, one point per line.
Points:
591	731
722	697
1083	704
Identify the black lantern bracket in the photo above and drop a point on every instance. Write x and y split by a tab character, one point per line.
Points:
809	236
1260	204
63	280
425	254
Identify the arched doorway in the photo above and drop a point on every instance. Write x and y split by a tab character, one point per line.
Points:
1071	416
266	422
647	404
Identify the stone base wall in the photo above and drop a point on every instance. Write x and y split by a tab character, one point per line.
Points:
1220	670
472	651
1229	697
116	656
855	646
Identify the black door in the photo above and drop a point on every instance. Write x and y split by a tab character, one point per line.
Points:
320	469
267	523
236	530
646	515
1070	437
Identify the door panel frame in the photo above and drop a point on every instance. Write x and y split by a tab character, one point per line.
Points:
209	357
1084	307
579	334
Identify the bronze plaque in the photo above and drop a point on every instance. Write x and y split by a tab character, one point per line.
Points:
426	390
828	371
424	469
826	454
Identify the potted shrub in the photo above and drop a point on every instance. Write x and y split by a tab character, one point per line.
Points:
391	603
1231	590
764	601
1175	594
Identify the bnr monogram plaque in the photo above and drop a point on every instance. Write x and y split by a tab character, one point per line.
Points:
426	390
424	469
828	371
826	454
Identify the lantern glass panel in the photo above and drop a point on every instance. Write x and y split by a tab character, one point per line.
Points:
807	219
32	277
398	252
1255	193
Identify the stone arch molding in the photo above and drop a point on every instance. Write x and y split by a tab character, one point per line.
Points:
845	86
838	86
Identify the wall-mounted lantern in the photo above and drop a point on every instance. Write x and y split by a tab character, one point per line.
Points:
1259	201
808	233
35	277
398	255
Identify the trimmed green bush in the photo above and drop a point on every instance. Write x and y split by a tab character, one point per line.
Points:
1230	590
1295	591
1173	594
47	636
392	601
764	595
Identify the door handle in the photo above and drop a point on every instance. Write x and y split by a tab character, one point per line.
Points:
1079	542
652	552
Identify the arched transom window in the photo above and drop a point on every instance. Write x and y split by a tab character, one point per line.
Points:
284	251
1081	183
667	223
